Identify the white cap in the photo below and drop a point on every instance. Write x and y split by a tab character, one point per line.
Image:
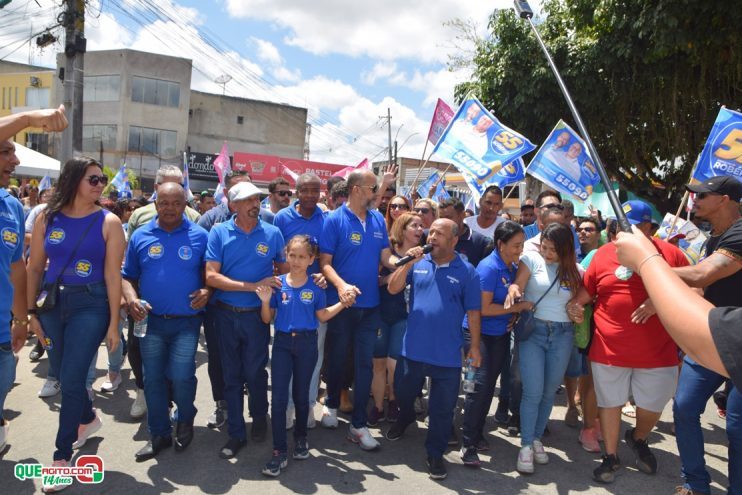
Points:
243	190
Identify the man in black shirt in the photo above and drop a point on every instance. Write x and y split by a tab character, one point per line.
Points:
719	273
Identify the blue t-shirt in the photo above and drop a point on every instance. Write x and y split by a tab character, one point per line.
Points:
356	252
553	306
296	307
495	276
12	231
221	213
167	265
247	257
290	222
440	296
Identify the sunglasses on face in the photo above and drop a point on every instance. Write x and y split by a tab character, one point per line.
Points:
585	229
424	211
94	180
284	193
398	207
704	195
373	188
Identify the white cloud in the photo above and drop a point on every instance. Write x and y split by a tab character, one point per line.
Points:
383	29
268	53
382	70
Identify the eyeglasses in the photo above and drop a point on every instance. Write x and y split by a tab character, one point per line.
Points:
424	211
94	180
284	193
585	229
395	206
373	188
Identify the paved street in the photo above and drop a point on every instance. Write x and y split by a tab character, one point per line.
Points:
336	465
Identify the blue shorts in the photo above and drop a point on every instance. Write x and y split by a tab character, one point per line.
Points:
389	339
577	366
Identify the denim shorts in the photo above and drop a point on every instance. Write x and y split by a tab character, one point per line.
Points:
389	339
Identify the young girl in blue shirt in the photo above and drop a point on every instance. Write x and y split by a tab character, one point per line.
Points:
298	307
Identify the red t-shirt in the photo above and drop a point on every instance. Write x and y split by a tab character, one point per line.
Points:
618	341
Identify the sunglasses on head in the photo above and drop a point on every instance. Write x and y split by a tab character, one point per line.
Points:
284	193
395	206
94	180
424	211
585	229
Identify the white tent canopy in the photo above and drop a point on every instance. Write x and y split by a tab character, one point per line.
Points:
35	164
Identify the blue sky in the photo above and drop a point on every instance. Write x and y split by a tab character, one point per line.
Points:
344	61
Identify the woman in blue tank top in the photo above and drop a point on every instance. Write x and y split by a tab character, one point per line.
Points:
84	246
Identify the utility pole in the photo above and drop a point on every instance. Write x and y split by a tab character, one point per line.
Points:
389	127
74	50
307	135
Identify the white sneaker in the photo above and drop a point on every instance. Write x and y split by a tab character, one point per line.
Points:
86	431
525	460
139	408
290	414
4	433
54	486
539	454
363	438
311	421
50	389
113	380
329	417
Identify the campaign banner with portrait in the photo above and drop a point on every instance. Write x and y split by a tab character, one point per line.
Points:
562	162
509	174
722	153
478	144
692	240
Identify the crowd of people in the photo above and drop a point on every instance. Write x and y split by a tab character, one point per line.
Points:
382	297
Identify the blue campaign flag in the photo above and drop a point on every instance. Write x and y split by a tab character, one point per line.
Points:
722	153
46	183
509	174
406	191
563	163
440	192
424	189
186	179
478	144
120	177
266	203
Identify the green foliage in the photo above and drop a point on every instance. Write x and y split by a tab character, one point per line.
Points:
648	77
111	173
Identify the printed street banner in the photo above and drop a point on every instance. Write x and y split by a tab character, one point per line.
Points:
722	154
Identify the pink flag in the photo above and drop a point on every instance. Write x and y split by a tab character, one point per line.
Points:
290	172
221	163
344	172
441	117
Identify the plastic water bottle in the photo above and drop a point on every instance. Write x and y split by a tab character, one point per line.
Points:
469	372
140	327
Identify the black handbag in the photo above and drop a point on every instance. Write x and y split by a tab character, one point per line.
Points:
525	324
46	300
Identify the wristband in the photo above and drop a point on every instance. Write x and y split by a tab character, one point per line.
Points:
639	268
22	323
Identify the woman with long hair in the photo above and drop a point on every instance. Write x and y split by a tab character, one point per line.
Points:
496	273
548	278
76	305
406	233
397	205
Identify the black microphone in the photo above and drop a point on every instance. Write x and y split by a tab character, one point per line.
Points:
406	259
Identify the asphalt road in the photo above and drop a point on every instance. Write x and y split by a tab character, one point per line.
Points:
335	465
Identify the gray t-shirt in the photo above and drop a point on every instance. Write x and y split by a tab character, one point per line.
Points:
726	330
553	306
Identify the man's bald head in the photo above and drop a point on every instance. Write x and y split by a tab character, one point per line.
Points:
171	188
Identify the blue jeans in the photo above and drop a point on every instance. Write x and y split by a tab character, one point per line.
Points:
169	365
389	339
505	375
294	358
314	384
211	334
243	344
543	360
359	326
409	377
696	385
494	351
7	373
77	325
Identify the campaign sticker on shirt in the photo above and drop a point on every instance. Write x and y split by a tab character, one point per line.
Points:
10	238
355	238
285	297
83	268
623	273
306	296
564	285
156	251
56	236
185	253
262	249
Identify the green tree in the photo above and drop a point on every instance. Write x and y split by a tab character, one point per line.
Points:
111	173
648	77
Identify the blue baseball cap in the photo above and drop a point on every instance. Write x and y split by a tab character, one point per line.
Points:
637	211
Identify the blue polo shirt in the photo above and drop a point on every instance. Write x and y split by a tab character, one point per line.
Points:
167	265
440	296
495	276
296	307
247	257
290	222
12	232
356	252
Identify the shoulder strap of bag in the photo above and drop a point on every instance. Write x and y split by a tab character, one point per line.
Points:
74	251
547	291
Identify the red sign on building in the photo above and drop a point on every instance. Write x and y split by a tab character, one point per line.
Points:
265	168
